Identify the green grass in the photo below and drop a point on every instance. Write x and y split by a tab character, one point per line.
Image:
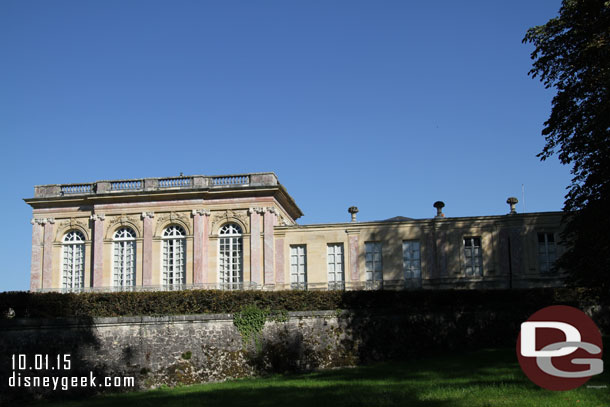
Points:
482	378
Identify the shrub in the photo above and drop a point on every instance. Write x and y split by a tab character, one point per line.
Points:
52	305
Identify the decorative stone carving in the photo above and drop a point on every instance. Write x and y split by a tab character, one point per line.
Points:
124	220
282	221
257	209
512	201
95	217
263	210
173	217
273	210
72	222
67	224
201	212
148	215
219	217
42	221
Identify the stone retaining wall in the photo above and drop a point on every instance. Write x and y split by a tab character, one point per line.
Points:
180	349
187	349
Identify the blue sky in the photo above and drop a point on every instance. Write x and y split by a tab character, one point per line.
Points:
387	105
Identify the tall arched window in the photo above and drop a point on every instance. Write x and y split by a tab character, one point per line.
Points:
124	258
174	243
230	256
73	254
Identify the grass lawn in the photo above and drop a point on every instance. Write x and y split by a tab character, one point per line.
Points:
482	378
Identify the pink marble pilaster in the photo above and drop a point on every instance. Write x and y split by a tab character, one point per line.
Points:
268	258
197	248
503	252
199	232
98	250
147	248
353	256
430	271
279	260
516	251
47	254
255	245
441	244
205	247
36	267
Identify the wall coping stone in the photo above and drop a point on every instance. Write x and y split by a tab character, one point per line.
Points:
50	323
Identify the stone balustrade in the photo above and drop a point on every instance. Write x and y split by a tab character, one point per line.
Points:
391	285
192	182
74	189
128	185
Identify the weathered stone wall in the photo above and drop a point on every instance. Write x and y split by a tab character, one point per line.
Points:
177	349
187	349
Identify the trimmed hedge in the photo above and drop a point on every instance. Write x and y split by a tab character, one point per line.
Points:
51	305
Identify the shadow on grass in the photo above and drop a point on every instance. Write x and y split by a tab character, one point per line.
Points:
30	347
481	378
405	383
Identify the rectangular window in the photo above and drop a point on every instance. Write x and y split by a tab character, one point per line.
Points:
373	257
74	266
230	259
473	257
334	256
124	264
173	263
547	252
411	260
298	267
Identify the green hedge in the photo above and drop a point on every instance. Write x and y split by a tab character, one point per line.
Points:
50	305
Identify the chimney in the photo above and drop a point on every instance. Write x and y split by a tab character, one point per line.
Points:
512	201
353	210
439	205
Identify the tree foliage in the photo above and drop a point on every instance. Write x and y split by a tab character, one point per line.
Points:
572	54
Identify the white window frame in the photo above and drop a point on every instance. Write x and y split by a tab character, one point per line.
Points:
473	256
547	252
173	268
335	258
73	244
298	266
230	256
411	262
373	262
124	247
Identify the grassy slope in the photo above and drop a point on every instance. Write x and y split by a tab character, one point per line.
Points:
482	378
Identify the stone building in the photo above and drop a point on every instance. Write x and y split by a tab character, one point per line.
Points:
240	232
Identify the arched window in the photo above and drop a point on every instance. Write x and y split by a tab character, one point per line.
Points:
124	258
230	271
174	247
73	255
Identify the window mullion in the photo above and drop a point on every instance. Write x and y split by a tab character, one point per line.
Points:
124	270
230	252
173	260
546	251
73	265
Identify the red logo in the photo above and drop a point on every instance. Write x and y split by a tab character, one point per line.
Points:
560	348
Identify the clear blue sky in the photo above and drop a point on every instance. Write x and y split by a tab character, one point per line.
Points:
387	105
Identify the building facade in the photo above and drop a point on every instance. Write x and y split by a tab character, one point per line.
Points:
240	232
